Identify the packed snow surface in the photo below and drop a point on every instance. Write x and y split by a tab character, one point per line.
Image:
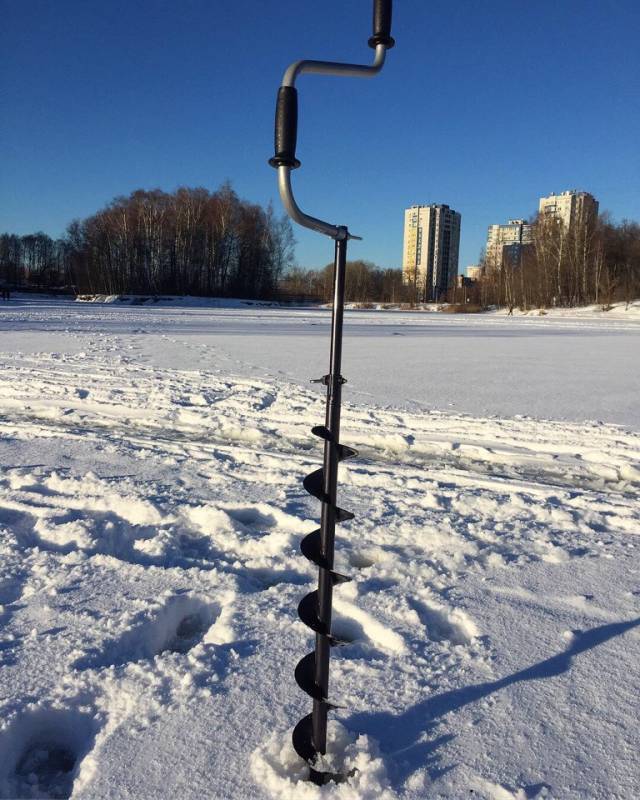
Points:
151	509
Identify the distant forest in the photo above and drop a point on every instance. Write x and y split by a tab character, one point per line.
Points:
364	283
191	241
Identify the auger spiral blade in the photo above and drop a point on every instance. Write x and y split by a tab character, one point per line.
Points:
344	452
304	675
311	548
311	673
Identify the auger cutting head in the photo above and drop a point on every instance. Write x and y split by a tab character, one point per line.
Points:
312	672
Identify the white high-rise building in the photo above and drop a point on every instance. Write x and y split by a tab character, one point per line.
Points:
507	240
475	272
430	251
569	207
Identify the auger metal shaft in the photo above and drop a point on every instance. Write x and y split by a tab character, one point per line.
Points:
312	671
328	517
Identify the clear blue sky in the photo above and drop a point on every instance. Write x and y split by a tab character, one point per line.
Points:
484	106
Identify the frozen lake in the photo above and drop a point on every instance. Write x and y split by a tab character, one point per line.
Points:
151	511
574	367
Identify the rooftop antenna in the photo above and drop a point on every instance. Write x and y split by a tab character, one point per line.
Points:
312	672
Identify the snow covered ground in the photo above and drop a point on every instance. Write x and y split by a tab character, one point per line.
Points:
151	509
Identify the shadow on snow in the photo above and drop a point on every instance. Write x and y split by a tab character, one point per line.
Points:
399	735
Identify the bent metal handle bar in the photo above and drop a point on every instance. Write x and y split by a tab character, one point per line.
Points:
286	127
312	672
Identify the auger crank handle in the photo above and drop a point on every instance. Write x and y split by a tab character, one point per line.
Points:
286	124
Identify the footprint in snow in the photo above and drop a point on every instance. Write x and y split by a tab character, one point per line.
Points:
445	625
178	627
252	517
361	559
41	752
352	624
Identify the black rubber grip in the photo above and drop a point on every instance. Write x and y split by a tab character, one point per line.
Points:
381	24
286	133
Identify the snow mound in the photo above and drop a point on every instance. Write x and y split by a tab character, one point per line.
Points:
179	301
277	768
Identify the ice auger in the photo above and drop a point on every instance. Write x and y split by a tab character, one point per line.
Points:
312	672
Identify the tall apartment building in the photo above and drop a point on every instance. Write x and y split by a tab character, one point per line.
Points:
507	241
569	207
430	250
475	272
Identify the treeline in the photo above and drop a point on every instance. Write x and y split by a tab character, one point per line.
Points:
364	283
191	241
194	241
35	260
594	261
